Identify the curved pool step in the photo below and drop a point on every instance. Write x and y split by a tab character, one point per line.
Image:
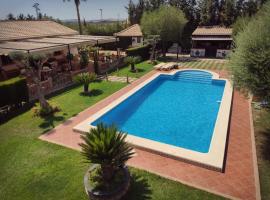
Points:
199	77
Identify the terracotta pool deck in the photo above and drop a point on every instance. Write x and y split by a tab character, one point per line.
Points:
240	177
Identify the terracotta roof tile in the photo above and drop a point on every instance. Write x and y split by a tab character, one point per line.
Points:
212	30
15	30
134	30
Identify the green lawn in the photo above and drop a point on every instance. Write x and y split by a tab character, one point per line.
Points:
262	134
213	64
34	169
142	68
199	63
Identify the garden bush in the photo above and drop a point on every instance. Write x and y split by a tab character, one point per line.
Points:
143	52
38	111
250	59
13	92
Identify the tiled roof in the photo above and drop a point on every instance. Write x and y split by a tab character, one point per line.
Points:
212	30
16	30
134	30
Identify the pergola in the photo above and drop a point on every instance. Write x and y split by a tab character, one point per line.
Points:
48	44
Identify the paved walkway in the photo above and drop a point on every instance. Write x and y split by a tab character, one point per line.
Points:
120	79
239	180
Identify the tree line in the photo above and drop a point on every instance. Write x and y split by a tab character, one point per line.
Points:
202	12
197	12
21	16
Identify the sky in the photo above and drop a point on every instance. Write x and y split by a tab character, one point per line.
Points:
66	10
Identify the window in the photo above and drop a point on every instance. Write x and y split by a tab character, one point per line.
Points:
139	39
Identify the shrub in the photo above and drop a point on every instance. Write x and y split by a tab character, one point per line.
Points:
250	59
85	79
104	29
142	51
38	111
13	91
84	57
106	146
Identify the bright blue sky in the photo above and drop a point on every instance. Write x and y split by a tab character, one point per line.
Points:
66	10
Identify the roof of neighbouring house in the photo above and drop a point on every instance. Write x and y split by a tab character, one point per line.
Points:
17	30
212	31
132	31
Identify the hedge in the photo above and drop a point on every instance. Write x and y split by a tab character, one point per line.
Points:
13	92
142	51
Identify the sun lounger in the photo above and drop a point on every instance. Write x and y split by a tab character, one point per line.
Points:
169	66
159	66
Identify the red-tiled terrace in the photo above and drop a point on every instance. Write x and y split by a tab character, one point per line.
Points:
240	177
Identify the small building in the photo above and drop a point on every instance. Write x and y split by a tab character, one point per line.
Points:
211	41
130	37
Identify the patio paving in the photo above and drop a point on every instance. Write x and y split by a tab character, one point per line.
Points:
239	179
119	79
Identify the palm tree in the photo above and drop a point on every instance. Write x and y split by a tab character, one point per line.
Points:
10	16
77	4
21	17
85	79
131	60
106	146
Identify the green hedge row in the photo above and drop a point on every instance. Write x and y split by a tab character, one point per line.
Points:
142	51
13	92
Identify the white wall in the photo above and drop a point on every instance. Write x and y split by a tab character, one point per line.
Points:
136	42
197	53
222	53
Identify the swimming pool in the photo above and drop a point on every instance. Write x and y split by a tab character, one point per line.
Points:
176	114
179	110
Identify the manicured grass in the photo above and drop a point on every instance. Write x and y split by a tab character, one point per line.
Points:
34	169
262	134
199	63
142	68
212	64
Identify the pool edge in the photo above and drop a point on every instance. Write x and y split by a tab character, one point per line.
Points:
214	159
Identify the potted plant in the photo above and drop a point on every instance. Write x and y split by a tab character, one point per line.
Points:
84	57
109	178
131	60
85	79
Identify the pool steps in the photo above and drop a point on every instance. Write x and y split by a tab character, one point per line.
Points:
191	77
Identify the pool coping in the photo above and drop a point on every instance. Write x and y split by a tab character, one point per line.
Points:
214	159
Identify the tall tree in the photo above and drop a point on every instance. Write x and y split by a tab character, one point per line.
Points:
33	64
226	12
77	4
190	8
21	17
154	4
156	23
208	12
139	10
10	16
131	9
250	59
30	17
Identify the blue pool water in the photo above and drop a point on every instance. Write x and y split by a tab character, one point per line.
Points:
179	110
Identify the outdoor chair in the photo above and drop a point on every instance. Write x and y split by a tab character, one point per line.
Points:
159	66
